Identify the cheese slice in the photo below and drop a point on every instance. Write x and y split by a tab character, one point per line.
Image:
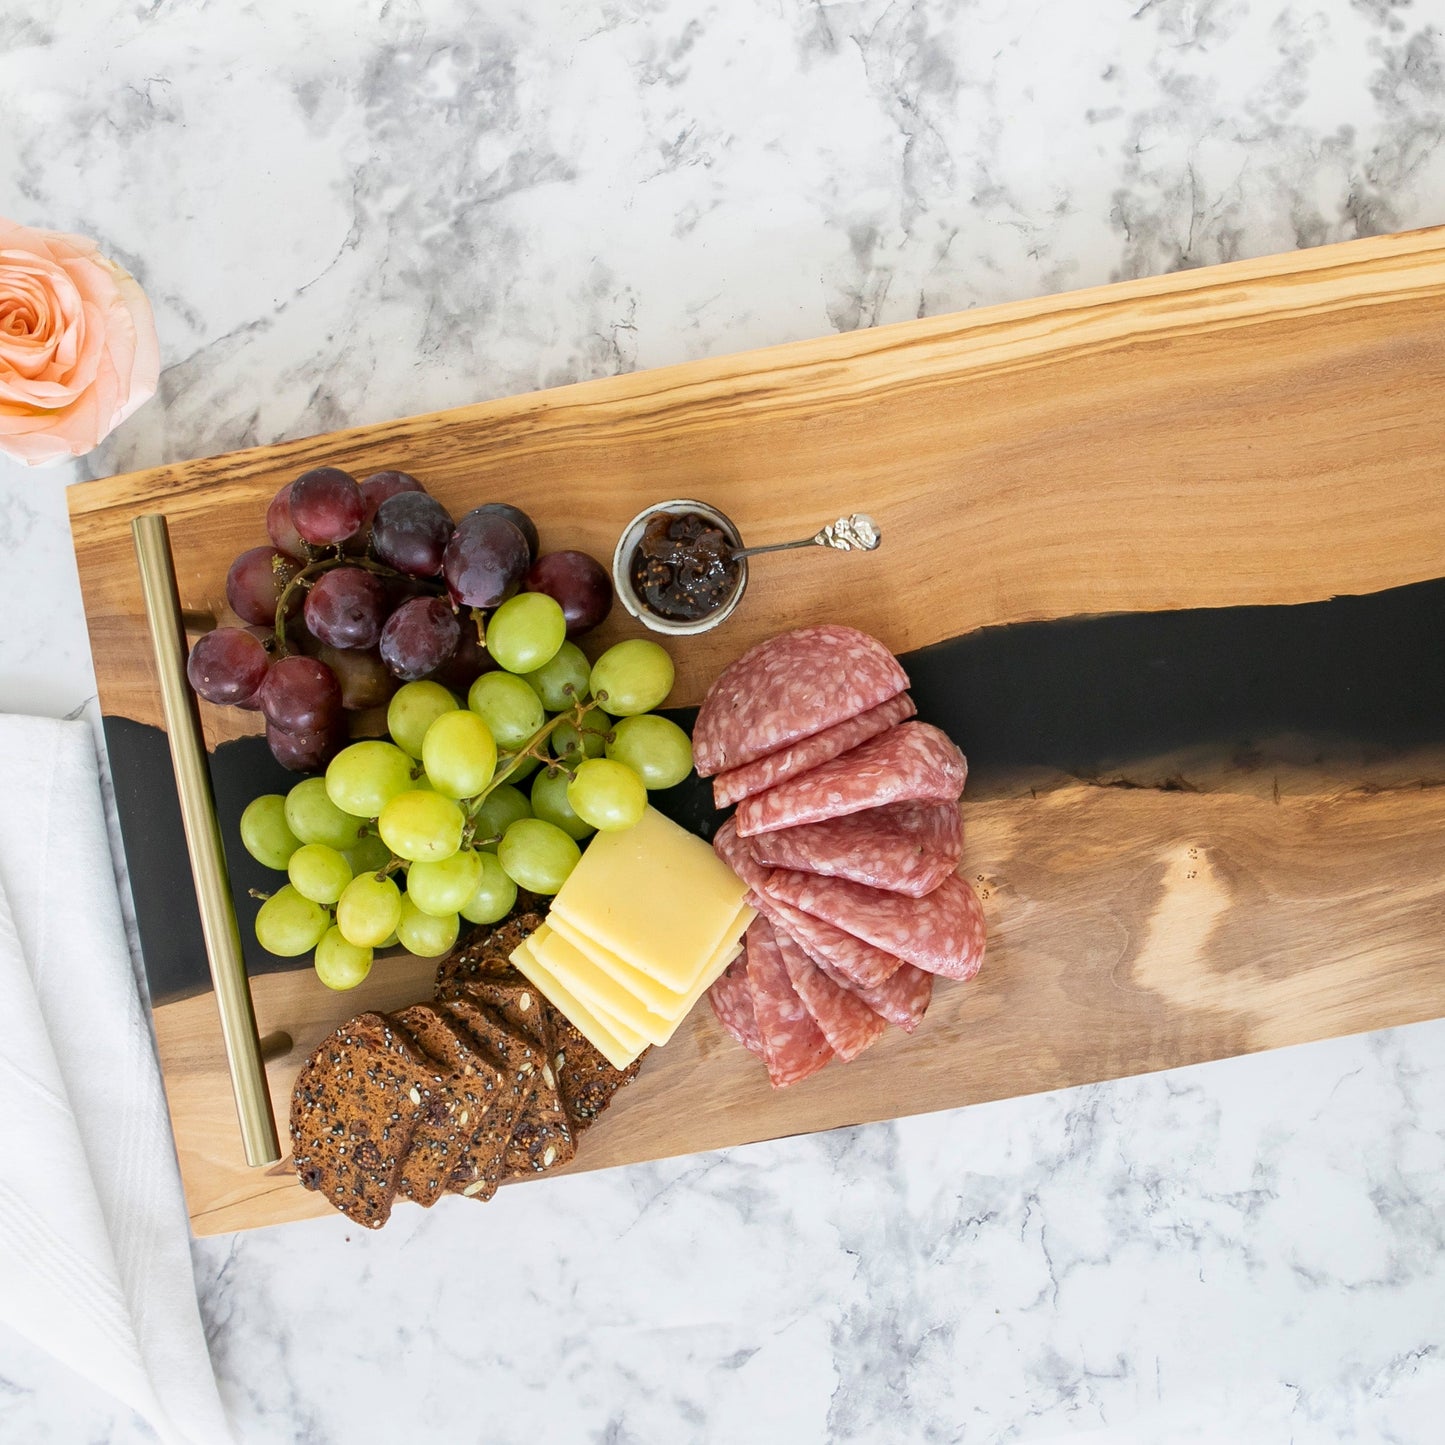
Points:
601	993
616	977
656	896
617	1051
653	996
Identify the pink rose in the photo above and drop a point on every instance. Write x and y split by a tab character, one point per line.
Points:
78	349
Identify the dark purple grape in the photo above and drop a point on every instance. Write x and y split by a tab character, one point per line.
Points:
410	532
467	663
227	666
485	560
577	582
365	681
418	637
326	506
306	752
281	529
346	608
255	583
301	695
381	485
266	636
519	519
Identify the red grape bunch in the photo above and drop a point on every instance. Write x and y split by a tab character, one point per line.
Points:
366	586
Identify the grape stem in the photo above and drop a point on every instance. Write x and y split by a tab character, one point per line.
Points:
532	749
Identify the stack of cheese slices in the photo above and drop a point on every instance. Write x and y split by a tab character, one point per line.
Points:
645	924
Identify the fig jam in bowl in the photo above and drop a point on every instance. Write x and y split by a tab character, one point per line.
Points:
674	570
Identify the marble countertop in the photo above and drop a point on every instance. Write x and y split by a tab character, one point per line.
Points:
345	213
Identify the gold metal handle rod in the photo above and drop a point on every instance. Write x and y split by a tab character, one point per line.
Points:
219	928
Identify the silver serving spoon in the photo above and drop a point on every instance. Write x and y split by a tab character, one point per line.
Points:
847	534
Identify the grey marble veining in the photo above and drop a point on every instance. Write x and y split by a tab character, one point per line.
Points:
345	213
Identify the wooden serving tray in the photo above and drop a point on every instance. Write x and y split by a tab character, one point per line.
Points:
1264	434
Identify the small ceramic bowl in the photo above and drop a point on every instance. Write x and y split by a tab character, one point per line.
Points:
622	558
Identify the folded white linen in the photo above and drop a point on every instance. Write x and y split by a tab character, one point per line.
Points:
95	1259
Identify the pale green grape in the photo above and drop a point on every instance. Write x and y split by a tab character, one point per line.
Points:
493	897
538	855
442	888
289	925
459	754
370	855
265	834
314	818
549	803
569	669
318	872
632	677
608	795
499	810
367	911
413	708
509	708
363	778
423	935
572	745
655	748
421	827
339	964
525	632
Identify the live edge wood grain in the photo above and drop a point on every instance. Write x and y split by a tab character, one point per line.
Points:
1264	432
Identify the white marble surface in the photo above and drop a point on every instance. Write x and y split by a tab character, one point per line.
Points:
344	213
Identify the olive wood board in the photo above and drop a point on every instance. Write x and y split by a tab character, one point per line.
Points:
1265	433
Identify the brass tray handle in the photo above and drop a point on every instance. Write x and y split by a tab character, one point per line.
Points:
203	841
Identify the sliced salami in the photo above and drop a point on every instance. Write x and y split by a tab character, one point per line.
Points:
793	1046
732	1001
739	783
791	687
903	847
738	856
942	933
847	1022
913	762
849	959
902	999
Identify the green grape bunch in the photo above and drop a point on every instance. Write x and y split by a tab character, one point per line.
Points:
405	838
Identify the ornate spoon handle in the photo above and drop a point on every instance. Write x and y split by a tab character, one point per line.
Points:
847	534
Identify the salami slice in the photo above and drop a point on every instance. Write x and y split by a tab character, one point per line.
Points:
791	687
913	762
739	783
738	856
847	1022
902	999
902	847
732	1001
793	1046
849	958
845	956
943	933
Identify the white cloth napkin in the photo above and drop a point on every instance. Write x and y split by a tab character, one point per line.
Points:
95	1261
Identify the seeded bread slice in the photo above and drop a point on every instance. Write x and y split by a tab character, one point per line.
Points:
586	1080
542	1129
354	1110
467	1095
